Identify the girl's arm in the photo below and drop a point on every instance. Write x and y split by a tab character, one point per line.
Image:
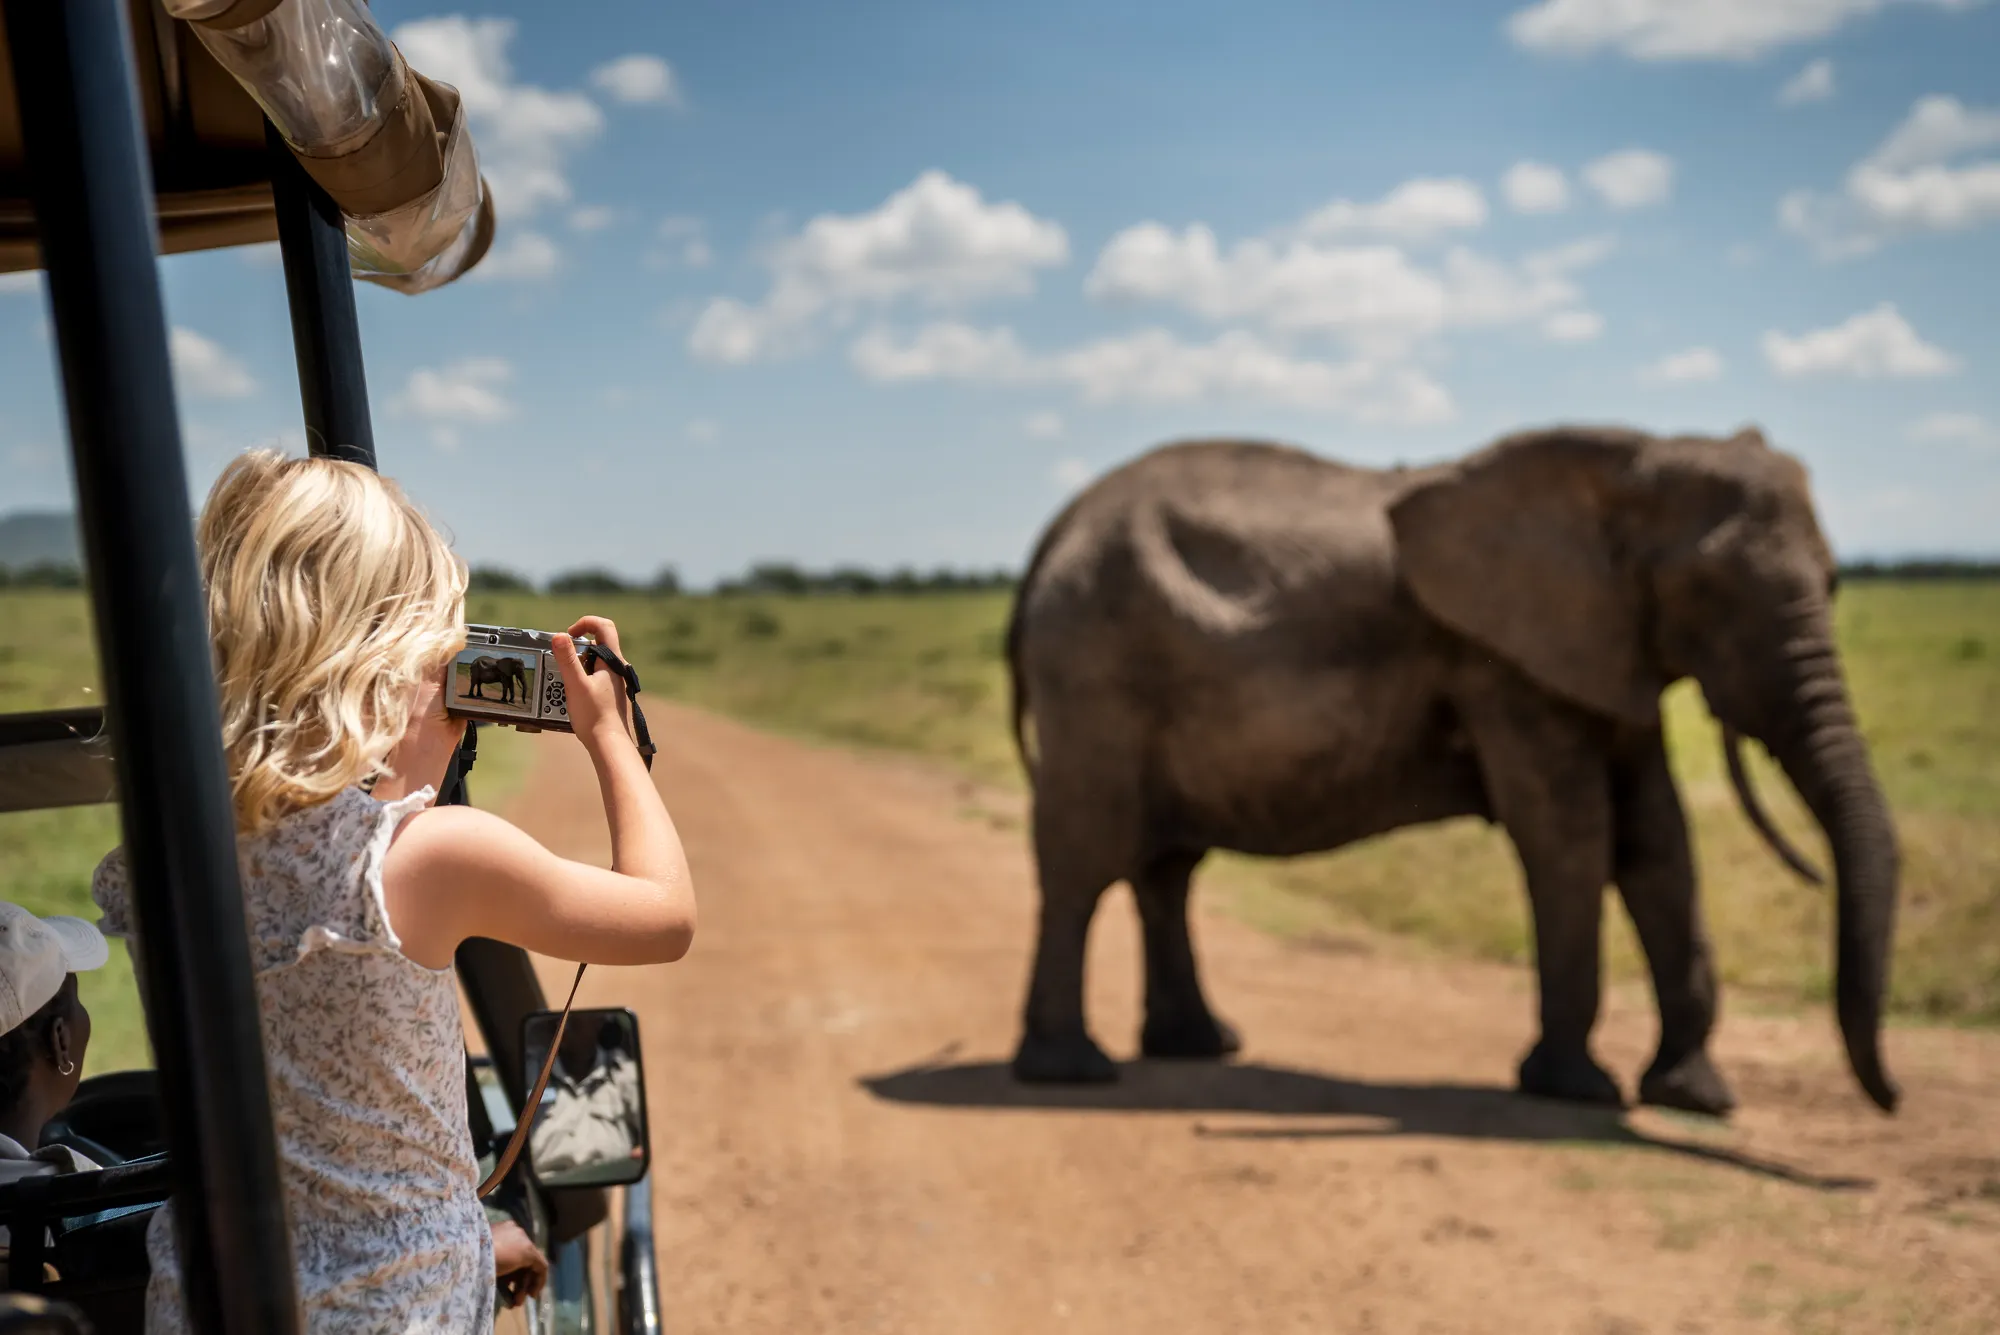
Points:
455	872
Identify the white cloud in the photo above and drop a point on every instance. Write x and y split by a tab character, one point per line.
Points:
1375	295
1071	474
1044	425
1152	366
1535	187
521	257
640	80
1687	367
524	133
704	431
592	217
1686	29
1910	183
1872	345
1573	326
681	243
1814	83
1417	210
20	281
205	369
936	242
1631	178
467	390
1956	429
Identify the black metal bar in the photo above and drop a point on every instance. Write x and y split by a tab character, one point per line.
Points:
639	1293
74	66
326	331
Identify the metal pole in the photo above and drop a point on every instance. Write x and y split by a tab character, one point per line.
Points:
94	209
326	332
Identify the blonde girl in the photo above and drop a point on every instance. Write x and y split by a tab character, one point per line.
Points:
334	608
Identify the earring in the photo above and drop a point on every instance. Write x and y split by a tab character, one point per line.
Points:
67	1068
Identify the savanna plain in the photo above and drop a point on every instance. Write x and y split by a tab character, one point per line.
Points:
838	1147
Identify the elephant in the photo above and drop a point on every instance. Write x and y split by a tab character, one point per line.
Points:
507	672
1238	644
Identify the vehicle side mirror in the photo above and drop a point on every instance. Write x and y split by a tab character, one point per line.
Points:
590	1130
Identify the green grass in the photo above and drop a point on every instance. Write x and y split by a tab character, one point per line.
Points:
926	675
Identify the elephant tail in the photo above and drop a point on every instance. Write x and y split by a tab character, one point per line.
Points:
1019	705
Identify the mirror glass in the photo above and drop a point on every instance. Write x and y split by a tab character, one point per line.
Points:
590	1130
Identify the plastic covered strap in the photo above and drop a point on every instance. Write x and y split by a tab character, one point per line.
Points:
390	146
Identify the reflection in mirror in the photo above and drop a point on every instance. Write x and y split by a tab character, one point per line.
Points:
590	1130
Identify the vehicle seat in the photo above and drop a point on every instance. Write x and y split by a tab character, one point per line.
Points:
119	1114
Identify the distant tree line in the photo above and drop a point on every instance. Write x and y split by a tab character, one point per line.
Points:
764	578
784	578
1922	568
42	575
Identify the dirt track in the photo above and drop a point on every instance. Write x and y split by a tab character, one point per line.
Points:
838	1147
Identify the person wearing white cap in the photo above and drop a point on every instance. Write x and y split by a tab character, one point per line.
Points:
44	1031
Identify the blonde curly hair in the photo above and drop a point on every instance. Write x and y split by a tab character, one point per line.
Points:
331	599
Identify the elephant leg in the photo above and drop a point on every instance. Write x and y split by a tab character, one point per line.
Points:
1178	1020
1548	778
1075	870
1655	873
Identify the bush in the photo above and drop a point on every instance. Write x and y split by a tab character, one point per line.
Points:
498	579
782	578
666	584
43	575
594	580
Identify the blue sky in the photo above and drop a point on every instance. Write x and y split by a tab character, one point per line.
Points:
883	282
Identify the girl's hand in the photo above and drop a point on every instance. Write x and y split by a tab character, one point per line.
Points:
598	705
519	1267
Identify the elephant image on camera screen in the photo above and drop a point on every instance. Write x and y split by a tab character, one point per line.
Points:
504	671
1239	645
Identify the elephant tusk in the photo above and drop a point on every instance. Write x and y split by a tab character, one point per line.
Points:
1739	778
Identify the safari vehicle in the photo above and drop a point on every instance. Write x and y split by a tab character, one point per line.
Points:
130	128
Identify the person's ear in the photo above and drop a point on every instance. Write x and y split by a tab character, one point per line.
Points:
59	1047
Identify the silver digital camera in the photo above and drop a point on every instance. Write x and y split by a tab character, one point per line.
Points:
506	675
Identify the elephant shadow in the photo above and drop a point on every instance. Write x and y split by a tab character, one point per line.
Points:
1451	1111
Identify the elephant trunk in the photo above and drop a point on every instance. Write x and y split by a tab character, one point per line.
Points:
1825	758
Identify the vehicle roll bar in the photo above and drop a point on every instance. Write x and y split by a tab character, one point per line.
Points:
326	331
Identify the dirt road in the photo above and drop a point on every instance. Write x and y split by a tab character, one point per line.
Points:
838	1147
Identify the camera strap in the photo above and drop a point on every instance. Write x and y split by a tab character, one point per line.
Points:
593	654
532	1105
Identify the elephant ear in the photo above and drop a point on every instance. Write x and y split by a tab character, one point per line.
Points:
1512	548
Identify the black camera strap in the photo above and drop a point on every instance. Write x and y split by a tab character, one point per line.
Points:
593	654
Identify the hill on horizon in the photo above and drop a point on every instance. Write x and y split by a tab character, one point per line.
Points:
40	537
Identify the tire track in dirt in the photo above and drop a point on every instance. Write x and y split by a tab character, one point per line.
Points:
837	1146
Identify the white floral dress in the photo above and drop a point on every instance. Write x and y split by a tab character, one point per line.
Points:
366	1059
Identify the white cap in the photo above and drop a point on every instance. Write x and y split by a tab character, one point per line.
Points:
36	954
